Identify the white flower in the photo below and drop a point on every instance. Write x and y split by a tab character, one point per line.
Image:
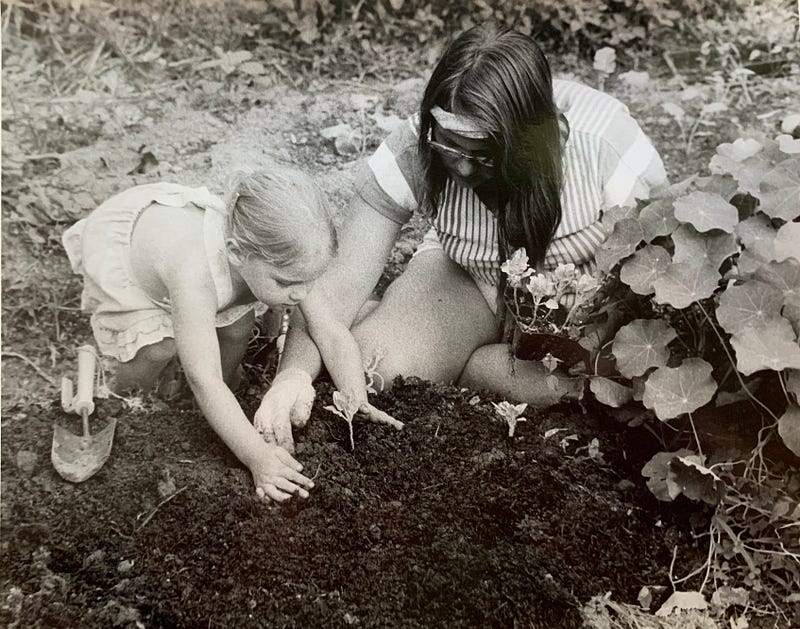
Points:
565	272
586	284
541	285
516	267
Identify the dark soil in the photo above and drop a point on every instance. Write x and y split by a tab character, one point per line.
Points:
447	523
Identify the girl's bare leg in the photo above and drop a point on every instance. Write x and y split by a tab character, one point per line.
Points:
233	340
145	369
429	322
490	368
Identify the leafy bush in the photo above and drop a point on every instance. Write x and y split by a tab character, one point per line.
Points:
705	279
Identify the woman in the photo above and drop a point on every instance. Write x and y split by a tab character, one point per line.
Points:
500	157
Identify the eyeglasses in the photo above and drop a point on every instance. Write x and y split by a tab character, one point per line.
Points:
454	153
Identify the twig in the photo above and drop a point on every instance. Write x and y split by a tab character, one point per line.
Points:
31	364
155	509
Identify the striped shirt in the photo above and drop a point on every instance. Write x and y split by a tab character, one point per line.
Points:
608	161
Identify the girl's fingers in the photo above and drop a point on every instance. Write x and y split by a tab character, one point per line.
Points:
299	479
289	487
289	461
273	493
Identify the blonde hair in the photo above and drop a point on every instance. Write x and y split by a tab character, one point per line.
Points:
274	214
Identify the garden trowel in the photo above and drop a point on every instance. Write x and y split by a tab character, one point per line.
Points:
78	457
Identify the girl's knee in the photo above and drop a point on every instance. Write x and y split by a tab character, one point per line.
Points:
161	352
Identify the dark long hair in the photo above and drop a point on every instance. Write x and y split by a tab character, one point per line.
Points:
501	78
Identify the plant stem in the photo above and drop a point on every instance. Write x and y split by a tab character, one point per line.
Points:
696	438
733	362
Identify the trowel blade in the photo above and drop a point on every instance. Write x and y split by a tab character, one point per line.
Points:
77	458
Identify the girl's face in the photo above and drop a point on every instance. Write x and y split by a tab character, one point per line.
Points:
468	161
280	287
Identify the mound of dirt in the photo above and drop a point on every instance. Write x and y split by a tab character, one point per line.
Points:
446	523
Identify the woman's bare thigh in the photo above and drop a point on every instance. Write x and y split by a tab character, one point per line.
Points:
429	322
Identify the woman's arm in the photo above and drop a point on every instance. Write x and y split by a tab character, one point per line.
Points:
365	242
338	349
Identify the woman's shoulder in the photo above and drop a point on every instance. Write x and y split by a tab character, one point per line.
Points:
587	109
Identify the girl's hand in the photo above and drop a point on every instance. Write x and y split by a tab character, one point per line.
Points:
277	476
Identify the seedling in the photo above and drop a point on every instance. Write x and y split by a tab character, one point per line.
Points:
345	406
511	413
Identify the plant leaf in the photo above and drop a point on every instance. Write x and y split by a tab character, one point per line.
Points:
642	344
750	304
691	246
684	283
780	191
740	149
706	211
643	267
695	481
758	236
676	111
785	276
673	391
622	242
766	347
616	213
789	428
680	601
658	219
656	471
787	242
610	393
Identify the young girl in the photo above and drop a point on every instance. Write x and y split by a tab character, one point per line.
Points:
173	270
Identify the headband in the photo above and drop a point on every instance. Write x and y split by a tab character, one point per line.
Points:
466	126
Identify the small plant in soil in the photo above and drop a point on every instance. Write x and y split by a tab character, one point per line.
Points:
511	413
346	407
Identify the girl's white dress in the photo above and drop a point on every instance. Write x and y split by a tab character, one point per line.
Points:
124	317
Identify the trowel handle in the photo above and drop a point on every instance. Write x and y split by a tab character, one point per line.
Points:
83	404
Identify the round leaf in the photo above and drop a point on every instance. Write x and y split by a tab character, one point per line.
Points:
785	276
683	283
758	236
691	246
610	393
787	242
642	344
740	149
766	347
616	213
643	267
658	219
621	243
673	391
706	211
789	428
780	191
751	304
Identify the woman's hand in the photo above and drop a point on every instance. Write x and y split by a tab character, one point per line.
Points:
369	412
287	403
277	475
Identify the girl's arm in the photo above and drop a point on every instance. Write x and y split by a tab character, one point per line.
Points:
194	307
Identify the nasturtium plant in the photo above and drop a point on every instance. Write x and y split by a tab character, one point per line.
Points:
674	391
642	344
644	266
766	347
706	211
684	283
750	304
693	246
